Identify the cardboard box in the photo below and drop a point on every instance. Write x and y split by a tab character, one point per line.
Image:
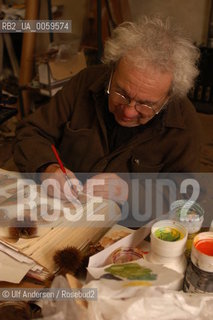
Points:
54	73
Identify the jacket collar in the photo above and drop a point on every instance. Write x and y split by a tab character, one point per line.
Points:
100	84
173	117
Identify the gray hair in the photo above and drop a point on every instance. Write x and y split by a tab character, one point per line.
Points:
151	41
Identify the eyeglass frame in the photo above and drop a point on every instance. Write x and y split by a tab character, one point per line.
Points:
129	100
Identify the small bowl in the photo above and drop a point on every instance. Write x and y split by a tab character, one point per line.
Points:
125	254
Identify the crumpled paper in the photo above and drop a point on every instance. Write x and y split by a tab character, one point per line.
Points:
145	303
61	309
151	303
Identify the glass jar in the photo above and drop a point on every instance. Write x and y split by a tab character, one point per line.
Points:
199	272
211	226
191	215
197	280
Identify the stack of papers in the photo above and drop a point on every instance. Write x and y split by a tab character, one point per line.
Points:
74	225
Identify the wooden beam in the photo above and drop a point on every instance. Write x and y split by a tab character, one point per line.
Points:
28	53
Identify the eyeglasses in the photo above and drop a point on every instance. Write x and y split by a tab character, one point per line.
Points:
118	98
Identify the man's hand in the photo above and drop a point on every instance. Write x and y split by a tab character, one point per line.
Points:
60	187
108	186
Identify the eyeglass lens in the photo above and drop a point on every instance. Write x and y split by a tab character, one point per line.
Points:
120	99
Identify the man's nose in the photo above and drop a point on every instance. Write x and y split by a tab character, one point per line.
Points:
132	103
130	110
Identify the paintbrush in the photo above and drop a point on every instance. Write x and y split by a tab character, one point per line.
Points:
61	165
81	196
65	174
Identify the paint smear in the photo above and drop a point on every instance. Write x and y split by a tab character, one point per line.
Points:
205	246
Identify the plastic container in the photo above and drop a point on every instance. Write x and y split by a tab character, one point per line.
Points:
199	273
191	215
168	241
202	251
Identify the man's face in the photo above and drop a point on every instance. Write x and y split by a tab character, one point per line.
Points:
139	87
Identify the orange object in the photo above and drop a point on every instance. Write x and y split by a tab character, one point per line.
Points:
205	246
61	165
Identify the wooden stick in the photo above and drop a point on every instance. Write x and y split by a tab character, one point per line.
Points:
27	55
75	284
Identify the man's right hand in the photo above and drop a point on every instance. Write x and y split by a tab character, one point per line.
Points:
60	187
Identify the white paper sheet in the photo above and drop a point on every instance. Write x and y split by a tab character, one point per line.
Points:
12	270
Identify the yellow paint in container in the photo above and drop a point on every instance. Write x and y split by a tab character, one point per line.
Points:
169	234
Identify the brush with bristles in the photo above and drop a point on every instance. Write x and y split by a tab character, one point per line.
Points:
22	229
68	260
72	260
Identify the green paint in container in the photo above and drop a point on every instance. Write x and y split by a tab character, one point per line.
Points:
168	241
168	234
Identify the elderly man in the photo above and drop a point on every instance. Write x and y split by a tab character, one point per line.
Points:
130	114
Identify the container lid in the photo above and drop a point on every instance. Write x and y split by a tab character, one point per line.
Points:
202	251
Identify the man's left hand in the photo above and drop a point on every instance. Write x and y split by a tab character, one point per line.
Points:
108	186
